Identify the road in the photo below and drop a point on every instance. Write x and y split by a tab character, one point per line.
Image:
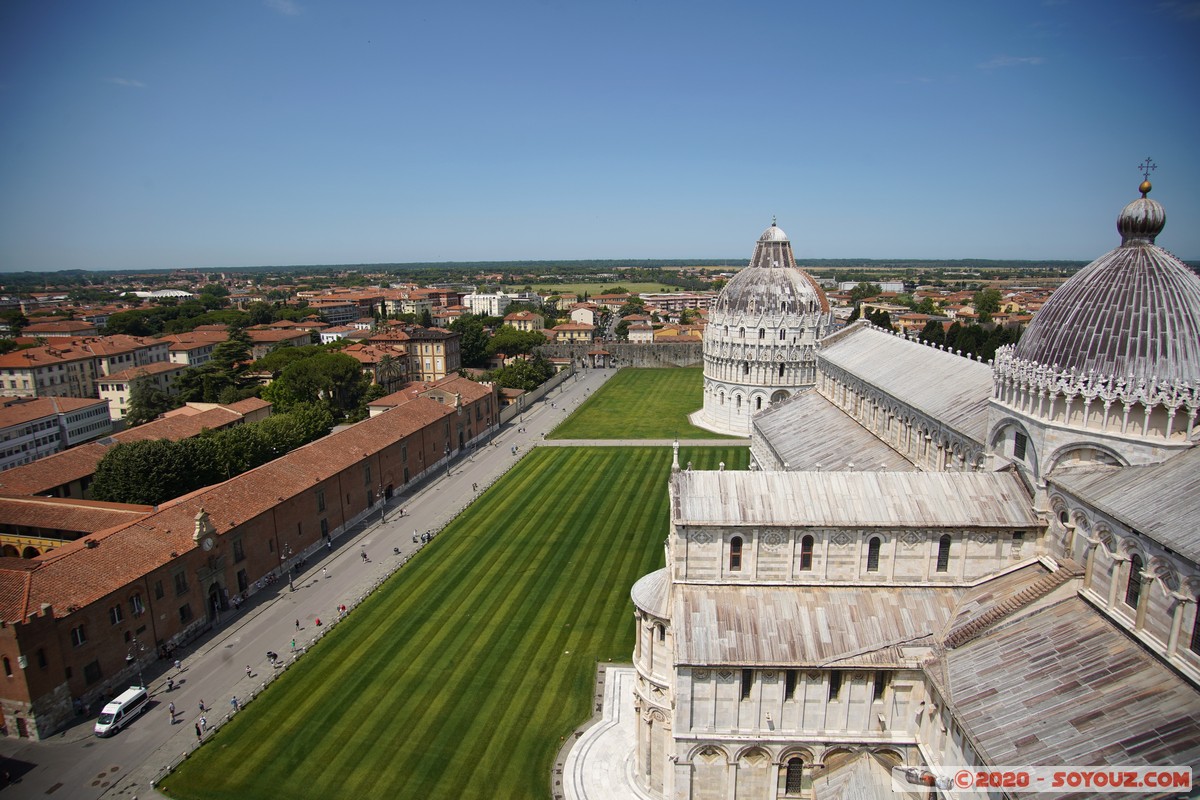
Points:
78	765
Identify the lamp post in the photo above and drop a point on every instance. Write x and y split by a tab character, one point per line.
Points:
136	647
283	558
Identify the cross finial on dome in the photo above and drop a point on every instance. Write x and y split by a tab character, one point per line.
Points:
1146	167
773	225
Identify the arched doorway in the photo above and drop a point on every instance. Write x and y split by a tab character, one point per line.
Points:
216	600
30	552
10	552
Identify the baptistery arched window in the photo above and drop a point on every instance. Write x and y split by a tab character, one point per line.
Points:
806	553
735	554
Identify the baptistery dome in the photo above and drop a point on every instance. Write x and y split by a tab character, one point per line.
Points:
1108	371
760	342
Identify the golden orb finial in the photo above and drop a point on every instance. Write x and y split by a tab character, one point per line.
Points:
1145	188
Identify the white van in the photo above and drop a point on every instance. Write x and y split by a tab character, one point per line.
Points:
115	715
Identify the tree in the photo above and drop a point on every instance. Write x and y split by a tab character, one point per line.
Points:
389	373
527	374
426	318
634	305
147	472
511	342
333	379
926	306
933	332
882	319
147	401
986	302
473	346
863	291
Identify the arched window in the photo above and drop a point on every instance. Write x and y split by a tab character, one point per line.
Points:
762	333
745	367
1194	646
742	333
873	554
1133	587
758	404
782	334
1063	518
7	667
662	632
794	784
806	548
735	554
739	402
943	562
781	370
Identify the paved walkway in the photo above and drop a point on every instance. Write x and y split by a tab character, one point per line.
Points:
600	764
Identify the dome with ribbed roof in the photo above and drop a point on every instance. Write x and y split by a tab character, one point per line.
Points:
771	284
1132	313
760	341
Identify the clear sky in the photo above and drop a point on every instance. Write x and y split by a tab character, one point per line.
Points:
222	134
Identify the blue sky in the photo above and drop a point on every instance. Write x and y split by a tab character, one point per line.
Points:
223	134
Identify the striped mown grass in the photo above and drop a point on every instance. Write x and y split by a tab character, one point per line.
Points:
660	399
462	674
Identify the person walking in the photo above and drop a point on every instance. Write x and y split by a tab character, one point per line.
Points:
297	624
234	703
199	735
203	724
324	572
293	645
202	708
248	673
171	708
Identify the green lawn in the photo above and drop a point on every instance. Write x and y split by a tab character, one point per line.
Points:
462	674
661	400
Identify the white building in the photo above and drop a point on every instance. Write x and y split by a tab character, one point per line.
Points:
944	563
31	429
760	342
490	305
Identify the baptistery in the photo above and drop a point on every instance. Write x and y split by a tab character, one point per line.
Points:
760	342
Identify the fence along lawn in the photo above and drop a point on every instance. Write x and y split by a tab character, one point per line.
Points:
460	676
663	398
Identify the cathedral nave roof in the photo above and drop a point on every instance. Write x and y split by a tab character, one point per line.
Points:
854	500
948	388
807	432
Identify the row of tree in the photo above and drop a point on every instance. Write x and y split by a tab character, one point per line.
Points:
153	471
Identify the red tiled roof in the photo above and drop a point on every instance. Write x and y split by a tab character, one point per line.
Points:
77	574
56	513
